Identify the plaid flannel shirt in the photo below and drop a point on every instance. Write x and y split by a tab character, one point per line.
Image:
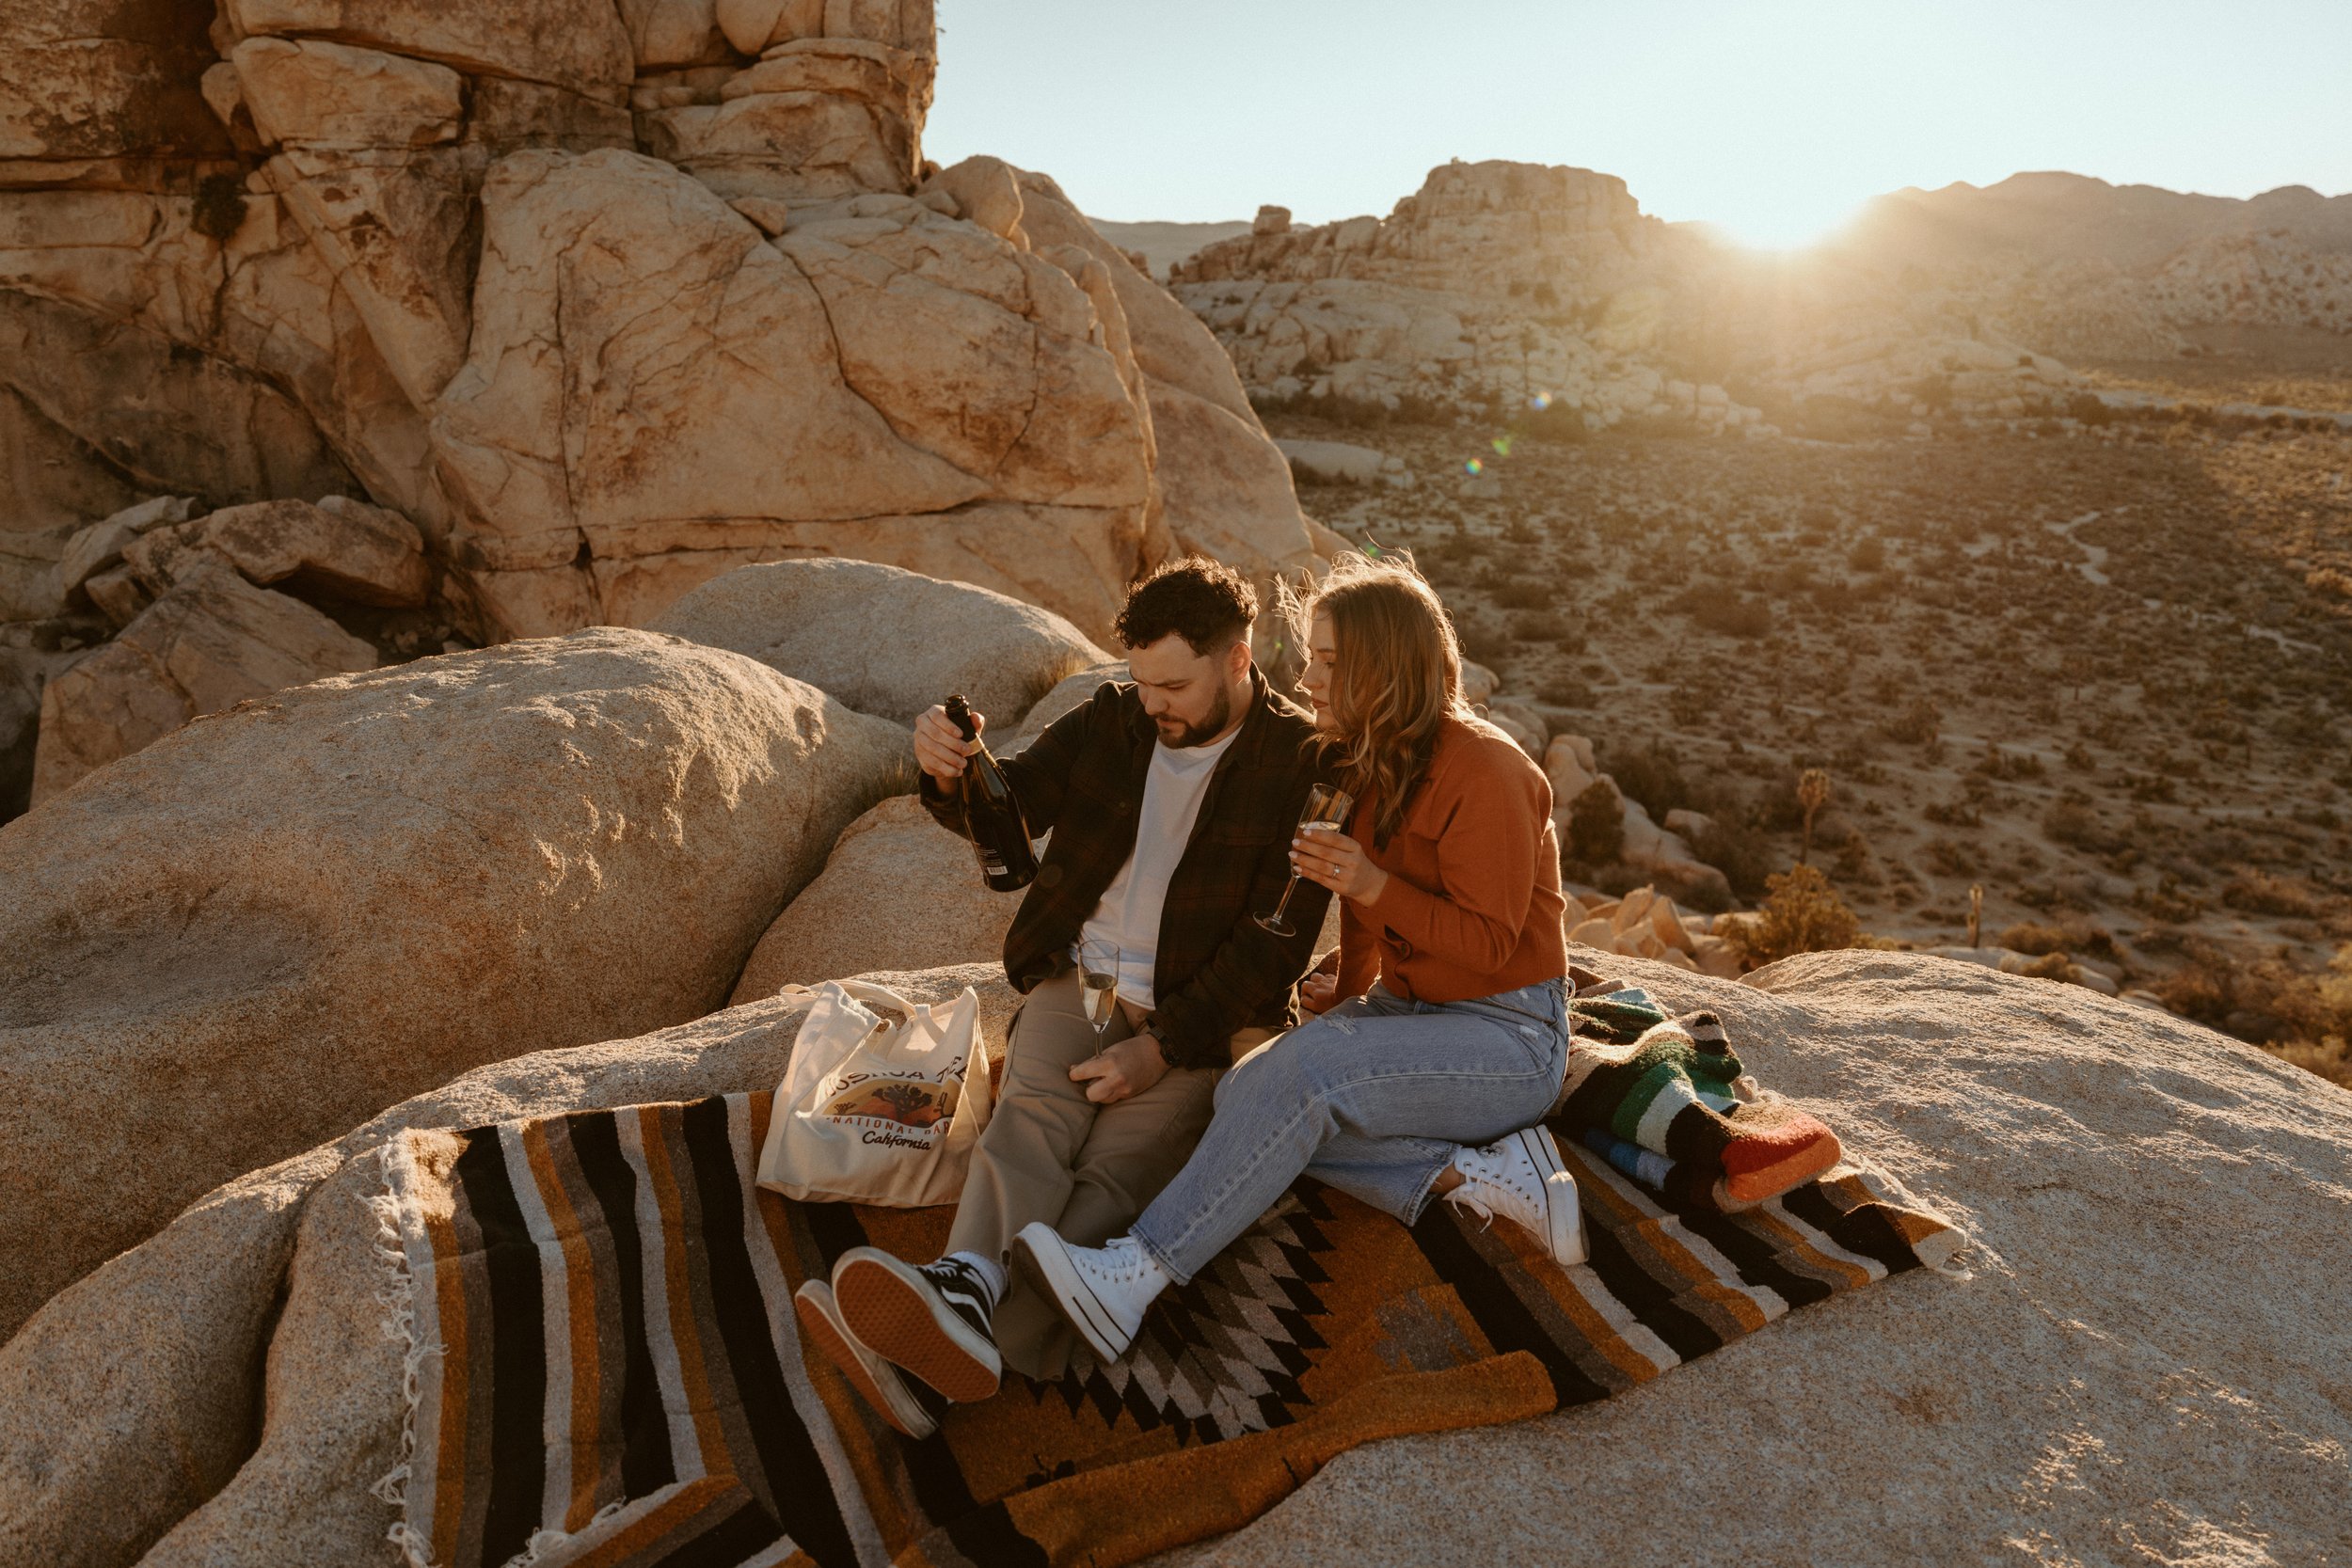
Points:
1216	970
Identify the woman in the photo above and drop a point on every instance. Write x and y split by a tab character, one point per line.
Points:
1417	1086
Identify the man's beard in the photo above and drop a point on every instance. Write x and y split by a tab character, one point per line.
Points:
1220	714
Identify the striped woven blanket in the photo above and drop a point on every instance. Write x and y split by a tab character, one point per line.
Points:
606	1369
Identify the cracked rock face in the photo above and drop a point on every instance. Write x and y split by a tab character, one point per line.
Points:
209	612
604	296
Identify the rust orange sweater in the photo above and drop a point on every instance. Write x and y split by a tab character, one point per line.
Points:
1472	904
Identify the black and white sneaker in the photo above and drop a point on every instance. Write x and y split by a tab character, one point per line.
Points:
908	1407
932	1320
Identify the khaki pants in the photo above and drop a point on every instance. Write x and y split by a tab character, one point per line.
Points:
1052	1154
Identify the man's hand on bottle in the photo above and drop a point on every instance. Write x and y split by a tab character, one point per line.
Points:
940	748
1129	1067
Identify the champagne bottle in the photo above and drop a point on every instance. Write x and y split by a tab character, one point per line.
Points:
991	817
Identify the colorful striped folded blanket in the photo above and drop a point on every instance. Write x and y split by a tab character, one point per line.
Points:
1665	1102
607	1371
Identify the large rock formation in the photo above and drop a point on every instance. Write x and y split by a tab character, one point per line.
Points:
1546	291
605	297
278	921
201	1302
897	890
882	640
211	642
1470	292
2145	1365
200	630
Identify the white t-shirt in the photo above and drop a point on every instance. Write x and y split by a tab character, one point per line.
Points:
1129	913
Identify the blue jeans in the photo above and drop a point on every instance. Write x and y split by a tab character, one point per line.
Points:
1376	1098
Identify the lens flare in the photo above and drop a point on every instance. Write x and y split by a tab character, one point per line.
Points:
1501	444
1473	467
1540	402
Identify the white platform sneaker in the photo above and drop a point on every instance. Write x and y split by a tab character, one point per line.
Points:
1524	1179
1103	1292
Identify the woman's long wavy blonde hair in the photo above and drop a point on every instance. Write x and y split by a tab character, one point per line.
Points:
1398	673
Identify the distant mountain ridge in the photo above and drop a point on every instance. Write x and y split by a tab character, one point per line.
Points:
2053	215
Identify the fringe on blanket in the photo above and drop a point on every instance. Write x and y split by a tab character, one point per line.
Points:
396	1289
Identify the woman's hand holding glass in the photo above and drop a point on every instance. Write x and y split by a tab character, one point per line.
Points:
1331	859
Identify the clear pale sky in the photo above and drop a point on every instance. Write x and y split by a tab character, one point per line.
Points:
1771	117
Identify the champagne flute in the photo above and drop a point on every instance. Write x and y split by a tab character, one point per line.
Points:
1098	982
1328	806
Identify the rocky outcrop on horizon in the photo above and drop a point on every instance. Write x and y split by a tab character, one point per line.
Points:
1546	291
1534	290
1475	290
2056	216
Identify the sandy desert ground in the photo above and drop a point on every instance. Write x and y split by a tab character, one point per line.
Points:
2102	673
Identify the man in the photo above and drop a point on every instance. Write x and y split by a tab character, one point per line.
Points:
1171	800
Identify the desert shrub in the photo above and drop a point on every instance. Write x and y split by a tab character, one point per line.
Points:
2071	821
2056	894
1355	413
2051	966
1596	824
1916	724
1618	879
1802	913
1947	859
2259	893
2302	1017
1959	812
1544	626
1558	425
1733	847
2168	901
2330	1057
2067	936
2085	407
1481	640
1995	763
1653	776
1726	613
1513	592
1565	691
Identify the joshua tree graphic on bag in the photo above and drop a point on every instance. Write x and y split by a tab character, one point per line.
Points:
907	1102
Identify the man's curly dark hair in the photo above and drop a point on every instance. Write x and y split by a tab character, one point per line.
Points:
1205	602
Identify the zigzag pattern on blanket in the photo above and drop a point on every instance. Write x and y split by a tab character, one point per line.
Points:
1664	1110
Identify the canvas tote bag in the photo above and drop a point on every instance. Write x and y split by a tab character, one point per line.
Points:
884	1099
